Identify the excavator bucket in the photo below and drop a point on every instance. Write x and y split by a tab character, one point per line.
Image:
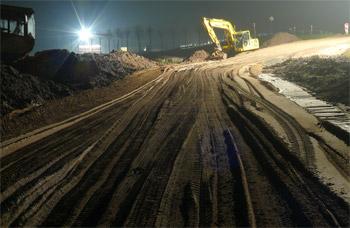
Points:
217	55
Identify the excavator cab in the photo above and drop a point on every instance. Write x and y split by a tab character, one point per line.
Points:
17	32
239	40
244	42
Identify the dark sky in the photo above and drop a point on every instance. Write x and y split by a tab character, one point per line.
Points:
57	22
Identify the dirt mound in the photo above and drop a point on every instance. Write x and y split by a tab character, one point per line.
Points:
280	38
20	91
328	78
129	59
198	56
54	74
86	70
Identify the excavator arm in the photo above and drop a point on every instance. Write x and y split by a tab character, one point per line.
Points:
207	25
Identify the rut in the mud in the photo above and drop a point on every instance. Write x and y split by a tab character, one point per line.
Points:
201	144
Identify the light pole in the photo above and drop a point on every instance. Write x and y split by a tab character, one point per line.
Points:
294	29
271	20
311	30
254	30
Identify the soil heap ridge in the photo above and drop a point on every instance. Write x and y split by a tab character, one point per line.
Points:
21	91
280	38
198	56
57	73
83	70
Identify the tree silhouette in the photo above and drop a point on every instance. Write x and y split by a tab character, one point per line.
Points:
100	35
91	39
172	33
115	39
150	33
127	34
185	33
119	33
138	33
161	35
199	30
109	36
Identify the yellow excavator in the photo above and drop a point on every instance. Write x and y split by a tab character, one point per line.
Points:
238	41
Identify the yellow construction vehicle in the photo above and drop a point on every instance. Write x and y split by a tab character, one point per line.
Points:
238	41
17	32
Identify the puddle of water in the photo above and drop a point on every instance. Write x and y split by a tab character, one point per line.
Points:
321	109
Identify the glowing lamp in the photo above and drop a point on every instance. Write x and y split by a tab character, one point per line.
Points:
84	34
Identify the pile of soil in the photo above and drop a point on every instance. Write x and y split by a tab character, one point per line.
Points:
198	56
22	91
280	38
54	74
328	78
83	71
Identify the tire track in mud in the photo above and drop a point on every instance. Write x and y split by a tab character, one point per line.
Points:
14	144
327	215
222	187
61	175
91	212
286	172
44	183
300	142
53	186
134	140
339	161
76	206
144	211
49	148
182	184
261	191
183	151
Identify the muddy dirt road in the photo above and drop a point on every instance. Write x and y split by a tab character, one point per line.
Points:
204	144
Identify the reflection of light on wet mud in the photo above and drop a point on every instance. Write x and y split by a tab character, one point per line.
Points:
217	151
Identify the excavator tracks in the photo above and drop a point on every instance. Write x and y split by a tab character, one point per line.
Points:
186	149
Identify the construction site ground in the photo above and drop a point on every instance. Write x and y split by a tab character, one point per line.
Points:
192	144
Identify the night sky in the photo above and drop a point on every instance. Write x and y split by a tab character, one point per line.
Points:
57	21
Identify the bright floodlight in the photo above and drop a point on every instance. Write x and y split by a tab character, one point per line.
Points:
84	34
